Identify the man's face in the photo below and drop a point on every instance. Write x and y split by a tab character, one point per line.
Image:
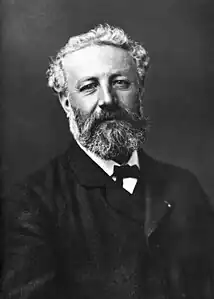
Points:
104	97
102	76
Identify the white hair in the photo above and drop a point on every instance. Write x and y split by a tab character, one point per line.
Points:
100	35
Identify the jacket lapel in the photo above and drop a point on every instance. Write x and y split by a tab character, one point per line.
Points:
156	205
156	210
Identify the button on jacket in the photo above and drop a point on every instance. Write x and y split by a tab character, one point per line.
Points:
72	232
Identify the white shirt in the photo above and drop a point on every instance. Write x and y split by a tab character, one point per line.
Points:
108	166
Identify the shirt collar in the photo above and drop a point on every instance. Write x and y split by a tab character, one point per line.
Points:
108	165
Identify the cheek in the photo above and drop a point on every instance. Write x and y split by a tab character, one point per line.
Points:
85	104
130	100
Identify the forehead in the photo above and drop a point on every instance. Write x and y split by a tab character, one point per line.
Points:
97	60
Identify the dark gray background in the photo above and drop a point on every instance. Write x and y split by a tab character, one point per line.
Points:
179	91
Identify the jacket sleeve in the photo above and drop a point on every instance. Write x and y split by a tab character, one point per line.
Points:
29	269
202	273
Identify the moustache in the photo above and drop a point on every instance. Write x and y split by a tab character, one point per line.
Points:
90	123
95	120
109	116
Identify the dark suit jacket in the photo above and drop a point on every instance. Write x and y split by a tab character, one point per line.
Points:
72	232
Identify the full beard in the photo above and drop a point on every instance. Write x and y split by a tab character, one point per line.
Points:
109	134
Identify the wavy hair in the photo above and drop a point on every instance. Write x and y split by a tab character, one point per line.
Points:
100	35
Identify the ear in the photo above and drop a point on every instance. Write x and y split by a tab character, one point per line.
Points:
64	101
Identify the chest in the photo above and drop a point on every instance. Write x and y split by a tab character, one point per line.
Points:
101	239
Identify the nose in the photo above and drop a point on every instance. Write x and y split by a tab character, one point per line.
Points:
106	96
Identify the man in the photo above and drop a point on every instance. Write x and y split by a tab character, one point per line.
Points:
104	220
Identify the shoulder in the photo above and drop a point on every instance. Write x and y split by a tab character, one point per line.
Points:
192	214
167	175
193	210
178	186
39	186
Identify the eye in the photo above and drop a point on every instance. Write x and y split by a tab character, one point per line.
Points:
121	83
88	88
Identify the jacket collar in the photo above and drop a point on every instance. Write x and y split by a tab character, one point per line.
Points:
85	169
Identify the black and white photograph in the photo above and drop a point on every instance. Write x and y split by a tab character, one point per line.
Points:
107	142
